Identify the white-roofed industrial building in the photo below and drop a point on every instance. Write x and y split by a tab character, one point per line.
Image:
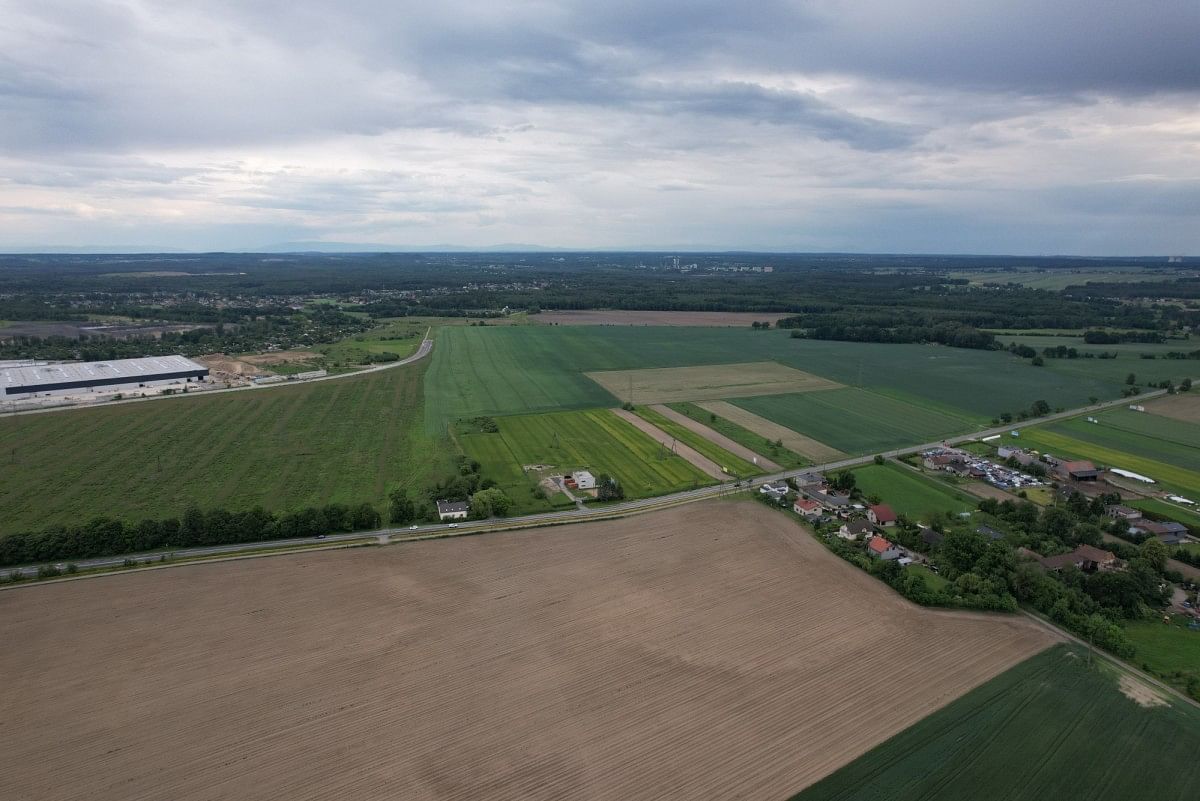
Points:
18	383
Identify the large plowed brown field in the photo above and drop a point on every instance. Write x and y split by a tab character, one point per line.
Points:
710	651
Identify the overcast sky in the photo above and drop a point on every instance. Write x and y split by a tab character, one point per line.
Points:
1022	126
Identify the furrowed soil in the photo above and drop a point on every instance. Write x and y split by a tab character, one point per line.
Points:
712	651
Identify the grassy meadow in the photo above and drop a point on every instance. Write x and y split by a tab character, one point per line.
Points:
1173	466
1171	651
349	440
1052	727
910	494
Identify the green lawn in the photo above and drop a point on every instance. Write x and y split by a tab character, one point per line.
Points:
735	465
593	439
856	421
1050	728
759	444
349	440
1113	447
932	580
909	493
1170	651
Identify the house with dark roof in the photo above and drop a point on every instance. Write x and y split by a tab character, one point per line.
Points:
991	533
1157	527
853	529
1087	558
881	515
453	510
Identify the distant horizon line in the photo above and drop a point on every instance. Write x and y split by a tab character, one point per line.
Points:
317	248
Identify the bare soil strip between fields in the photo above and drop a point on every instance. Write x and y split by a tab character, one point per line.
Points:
699	460
792	440
717	438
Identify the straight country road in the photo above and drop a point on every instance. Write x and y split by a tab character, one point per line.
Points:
437	530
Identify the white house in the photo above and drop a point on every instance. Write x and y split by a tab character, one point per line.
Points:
453	510
584	480
776	489
883	548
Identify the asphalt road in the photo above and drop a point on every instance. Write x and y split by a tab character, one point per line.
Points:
571	516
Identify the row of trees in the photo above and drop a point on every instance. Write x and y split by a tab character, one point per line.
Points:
109	537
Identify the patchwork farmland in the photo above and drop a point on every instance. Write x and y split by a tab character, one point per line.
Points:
1052	727
706	652
807	447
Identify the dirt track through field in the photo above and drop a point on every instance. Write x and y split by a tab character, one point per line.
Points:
698	460
714	651
717	438
792	440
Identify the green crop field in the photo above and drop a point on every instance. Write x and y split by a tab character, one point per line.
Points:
349	440
1165	429
1107	446
593	439
759	444
1171	651
1050	728
856	421
1170	511
909	493
517	369
735	465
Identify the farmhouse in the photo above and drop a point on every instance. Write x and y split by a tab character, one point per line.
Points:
453	510
808	481
853	529
883	548
68	379
584	480
1119	512
1085	557
881	515
808	509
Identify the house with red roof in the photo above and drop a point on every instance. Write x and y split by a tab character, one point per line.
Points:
883	548
807	508
881	515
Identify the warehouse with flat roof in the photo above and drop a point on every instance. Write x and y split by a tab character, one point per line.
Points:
40	380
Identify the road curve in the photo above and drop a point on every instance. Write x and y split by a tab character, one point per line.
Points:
438	530
422	351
